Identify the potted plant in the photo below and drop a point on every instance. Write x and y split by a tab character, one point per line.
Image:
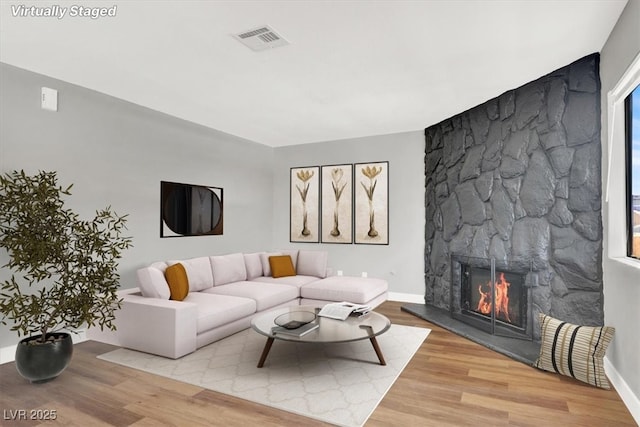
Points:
63	270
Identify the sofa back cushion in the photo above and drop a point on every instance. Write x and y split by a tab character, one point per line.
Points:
152	283
281	266
198	272
178	282
253	265
312	263
228	269
264	259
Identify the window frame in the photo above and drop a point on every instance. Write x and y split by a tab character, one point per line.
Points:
615	194
628	135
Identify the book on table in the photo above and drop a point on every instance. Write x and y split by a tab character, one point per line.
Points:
297	332
344	309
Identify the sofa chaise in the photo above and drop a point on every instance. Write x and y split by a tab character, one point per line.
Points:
224	293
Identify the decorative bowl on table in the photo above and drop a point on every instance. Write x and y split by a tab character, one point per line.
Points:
294	319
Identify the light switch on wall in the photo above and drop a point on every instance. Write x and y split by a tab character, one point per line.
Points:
49	99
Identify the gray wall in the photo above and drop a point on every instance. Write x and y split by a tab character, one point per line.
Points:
116	153
621	278
400	263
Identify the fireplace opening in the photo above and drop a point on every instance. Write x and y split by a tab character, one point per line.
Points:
490	297
505	298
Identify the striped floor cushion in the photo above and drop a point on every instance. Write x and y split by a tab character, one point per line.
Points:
574	350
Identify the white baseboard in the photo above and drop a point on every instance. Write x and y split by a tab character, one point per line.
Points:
626	394
415	298
8	353
106	336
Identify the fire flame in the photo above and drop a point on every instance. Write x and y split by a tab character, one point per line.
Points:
501	298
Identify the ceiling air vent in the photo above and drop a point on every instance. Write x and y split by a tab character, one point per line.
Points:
261	38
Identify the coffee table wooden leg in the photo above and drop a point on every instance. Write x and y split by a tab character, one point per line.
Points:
265	352
374	343
376	347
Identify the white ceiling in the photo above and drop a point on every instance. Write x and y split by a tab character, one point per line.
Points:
353	68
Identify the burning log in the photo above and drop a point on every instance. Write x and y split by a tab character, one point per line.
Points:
501	297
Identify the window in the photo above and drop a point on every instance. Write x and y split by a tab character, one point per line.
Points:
618	233
632	119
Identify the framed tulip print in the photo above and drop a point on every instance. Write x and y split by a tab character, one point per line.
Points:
304	219
337	204
371	203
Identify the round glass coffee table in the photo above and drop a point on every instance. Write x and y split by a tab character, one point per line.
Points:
366	327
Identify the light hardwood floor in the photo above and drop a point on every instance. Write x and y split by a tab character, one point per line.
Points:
449	382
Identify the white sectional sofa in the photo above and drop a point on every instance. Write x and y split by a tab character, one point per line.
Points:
225	292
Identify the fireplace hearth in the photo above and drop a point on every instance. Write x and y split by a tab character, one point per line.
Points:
524	351
492	296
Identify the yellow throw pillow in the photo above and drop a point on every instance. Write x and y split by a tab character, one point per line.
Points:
281	266
573	350
176	276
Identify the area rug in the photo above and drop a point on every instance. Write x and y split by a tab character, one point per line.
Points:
337	383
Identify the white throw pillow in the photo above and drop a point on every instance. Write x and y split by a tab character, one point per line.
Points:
198	272
253	265
152	283
264	259
312	263
160	265
228	269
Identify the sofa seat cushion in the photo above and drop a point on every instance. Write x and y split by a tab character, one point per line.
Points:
297	281
217	310
358	290
266	295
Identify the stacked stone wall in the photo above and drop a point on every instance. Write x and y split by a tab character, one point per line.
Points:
518	179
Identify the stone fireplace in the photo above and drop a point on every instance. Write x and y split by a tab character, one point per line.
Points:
517	180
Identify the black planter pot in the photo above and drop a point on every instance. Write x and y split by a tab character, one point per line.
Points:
43	362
